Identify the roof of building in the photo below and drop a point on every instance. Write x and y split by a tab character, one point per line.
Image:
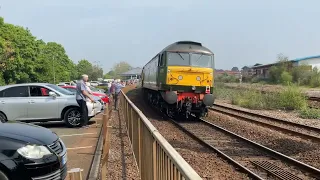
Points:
294	60
306	58
134	71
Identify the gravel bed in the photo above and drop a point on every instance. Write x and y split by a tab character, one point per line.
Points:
237	149
285	115
121	162
295	147
206	163
275	123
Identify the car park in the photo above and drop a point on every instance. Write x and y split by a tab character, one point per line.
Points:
42	102
31	152
103	96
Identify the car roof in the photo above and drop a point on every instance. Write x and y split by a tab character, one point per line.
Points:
24	84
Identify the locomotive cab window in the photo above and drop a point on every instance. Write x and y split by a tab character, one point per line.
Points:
178	59
201	60
190	59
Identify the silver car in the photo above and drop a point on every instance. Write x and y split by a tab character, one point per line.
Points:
42	102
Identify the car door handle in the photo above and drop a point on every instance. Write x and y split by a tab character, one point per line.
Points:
31	102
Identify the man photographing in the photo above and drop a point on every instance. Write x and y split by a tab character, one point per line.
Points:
82	94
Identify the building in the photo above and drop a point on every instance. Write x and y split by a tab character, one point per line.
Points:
313	61
262	71
218	72
134	73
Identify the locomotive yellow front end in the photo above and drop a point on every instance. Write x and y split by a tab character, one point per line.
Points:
190	77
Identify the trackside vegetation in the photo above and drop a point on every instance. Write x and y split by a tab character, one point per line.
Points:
290	99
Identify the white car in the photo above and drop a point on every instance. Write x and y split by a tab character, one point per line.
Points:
94	83
42	102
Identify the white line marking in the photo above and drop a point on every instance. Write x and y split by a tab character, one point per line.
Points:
67	135
85	147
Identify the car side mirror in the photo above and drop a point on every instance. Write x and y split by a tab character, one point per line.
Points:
52	94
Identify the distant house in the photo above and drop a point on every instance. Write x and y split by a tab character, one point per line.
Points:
134	73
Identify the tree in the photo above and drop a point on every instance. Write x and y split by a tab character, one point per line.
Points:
24	58
84	67
121	67
235	69
97	72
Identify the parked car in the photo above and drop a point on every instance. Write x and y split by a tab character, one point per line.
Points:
103	96
95	89
42	102
31	152
66	84
94	83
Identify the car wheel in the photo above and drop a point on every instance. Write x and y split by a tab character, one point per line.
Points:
3	176
3	118
72	117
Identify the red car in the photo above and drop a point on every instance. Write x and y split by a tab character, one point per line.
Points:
103	96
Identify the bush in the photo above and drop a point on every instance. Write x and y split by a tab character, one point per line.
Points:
286	78
309	113
289	99
292	98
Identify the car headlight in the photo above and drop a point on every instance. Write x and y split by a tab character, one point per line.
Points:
33	151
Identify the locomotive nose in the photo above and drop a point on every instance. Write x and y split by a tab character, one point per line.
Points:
208	100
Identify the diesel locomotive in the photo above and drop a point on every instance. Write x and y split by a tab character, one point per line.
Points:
179	79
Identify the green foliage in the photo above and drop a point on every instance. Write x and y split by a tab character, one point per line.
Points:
117	69
286	78
309	113
289	99
23	58
226	78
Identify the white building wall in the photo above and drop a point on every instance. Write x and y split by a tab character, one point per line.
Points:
315	62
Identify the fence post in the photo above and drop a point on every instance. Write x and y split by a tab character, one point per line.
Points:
75	174
106	141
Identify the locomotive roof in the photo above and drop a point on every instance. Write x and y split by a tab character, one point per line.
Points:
187	46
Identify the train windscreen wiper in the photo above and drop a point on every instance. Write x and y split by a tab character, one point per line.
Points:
181	56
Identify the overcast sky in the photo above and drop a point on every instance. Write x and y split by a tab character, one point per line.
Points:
238	32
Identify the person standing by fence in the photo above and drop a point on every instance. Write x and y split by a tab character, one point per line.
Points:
118	87
81	95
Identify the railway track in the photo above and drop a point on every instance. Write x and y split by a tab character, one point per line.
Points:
256	160
292	128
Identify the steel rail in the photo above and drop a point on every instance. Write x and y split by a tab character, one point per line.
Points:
268	118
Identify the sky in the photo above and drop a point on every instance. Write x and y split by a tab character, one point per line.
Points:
106	32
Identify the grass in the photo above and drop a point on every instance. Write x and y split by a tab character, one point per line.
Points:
291	98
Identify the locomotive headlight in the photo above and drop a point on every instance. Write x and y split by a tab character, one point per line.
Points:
193	88
198	78
180	77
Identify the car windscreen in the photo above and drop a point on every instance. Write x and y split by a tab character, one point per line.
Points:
60	89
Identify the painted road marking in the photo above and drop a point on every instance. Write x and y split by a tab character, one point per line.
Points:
68	135
84	147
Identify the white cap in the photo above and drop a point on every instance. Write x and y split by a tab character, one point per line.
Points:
84	75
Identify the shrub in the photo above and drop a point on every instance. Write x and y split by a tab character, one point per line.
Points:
292	98
289	99
286	78
309	113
